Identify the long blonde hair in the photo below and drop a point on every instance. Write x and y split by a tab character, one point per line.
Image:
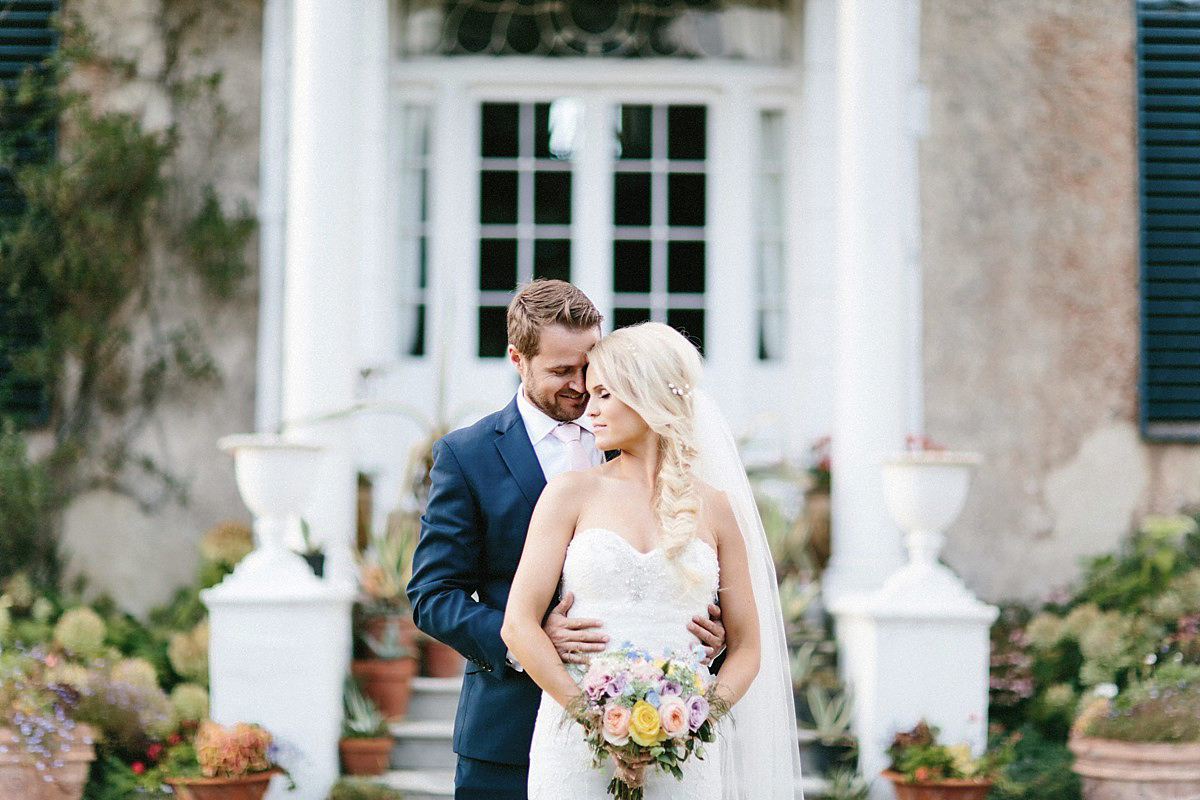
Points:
652	368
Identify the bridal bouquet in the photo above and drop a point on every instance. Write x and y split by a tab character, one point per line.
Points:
642	709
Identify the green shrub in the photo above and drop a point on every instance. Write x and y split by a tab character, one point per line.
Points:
362	789
1040	770
27	541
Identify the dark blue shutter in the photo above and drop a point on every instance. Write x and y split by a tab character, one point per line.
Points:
28	37
1168	67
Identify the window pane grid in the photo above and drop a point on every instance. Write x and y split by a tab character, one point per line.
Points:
413	225
659	216
526	174
771	288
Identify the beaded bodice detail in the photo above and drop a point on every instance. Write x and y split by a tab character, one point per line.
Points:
644	598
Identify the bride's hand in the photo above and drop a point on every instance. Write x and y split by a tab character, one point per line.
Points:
632	771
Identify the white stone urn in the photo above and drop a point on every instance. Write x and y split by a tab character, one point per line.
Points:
925	491
275	479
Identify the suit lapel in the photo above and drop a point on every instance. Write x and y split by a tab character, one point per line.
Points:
513	443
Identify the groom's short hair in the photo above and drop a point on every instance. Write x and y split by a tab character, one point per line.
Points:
547	302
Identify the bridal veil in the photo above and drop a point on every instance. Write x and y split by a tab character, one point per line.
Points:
760	757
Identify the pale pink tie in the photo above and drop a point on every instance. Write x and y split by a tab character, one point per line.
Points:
568	433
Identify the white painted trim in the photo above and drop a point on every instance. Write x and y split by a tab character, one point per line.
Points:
618	76
272	211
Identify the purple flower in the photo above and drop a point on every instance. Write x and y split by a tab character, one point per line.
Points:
616	684
670	689
697	711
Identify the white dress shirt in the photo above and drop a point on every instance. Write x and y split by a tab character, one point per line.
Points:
550	451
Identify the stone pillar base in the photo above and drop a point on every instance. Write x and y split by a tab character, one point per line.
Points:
280	661
911	656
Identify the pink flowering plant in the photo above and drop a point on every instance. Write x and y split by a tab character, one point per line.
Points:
642	710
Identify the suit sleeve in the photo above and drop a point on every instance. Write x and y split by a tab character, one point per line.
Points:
448	568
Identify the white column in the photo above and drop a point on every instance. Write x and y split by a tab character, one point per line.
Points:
325	231
377	331
272	199
878	47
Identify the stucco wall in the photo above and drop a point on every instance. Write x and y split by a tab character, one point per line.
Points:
141	555
1029	253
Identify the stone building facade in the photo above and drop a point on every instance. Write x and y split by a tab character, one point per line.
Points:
1016	250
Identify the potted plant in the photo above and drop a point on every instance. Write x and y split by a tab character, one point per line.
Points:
44	751
1143	742
366	744
312	553
924	769
223	763
385	569
832	743
386	633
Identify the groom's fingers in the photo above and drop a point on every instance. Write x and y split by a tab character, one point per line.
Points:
564	605
710	631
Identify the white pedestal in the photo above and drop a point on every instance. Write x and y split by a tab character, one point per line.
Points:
277	657
917	648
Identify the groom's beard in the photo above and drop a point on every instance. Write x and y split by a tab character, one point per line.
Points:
564	406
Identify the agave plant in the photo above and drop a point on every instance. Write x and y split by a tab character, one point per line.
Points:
362	720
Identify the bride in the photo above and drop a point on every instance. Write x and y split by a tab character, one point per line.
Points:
645	541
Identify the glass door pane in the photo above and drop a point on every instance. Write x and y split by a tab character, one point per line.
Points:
659	216
525	204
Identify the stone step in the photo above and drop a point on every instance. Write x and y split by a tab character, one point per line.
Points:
433	698
422	744
431	784
438	784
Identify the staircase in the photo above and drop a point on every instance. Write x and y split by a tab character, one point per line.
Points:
422	759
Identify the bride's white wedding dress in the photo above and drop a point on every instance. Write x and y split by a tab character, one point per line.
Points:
643	599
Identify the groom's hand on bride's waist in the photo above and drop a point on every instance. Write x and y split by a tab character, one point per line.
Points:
574	638
710	631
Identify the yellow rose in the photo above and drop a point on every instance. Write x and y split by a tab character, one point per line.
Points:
644	725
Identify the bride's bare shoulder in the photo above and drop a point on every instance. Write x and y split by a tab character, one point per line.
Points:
571	484
715	509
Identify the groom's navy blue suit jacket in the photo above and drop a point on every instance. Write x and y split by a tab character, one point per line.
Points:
485	482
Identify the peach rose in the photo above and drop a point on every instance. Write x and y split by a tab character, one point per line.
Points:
616	724
673	717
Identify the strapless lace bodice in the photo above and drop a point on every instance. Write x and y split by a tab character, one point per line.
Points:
644	599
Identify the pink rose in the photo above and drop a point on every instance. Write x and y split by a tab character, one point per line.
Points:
616	724
673	717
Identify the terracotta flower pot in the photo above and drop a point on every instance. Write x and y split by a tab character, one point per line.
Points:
937	790
394	629
244	787
20	778
440	660
388	682
1113	770
365	756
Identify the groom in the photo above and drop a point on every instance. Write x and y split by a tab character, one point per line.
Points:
485	481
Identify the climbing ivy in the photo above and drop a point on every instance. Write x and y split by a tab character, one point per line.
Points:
111	230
